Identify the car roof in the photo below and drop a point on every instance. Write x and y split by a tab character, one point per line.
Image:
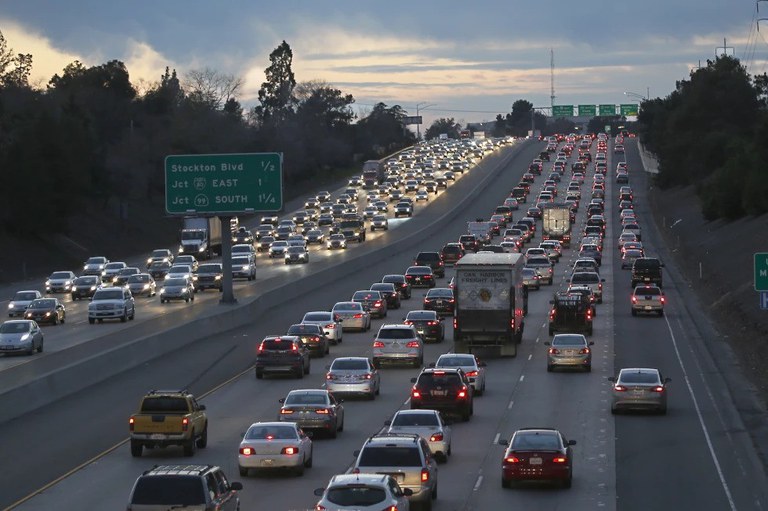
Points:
639	370
398	326
353	479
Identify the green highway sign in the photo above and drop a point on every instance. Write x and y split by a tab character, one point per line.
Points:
628	109
761	271
562	110
222	184
587	110
606	110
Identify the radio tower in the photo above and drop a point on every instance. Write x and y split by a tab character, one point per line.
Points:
551	77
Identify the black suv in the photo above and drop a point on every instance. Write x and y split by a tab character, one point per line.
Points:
469	242
401	284
181	486
571	312
432	259
646	270
210	275
282	354
312	336
443	389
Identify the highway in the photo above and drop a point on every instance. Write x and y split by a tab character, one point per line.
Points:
698	456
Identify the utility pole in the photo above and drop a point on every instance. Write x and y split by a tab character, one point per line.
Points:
725	49
423	106
551	77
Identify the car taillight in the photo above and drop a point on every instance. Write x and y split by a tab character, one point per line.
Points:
589	313
289	450
378	344
377	303
662	299
131	423
412	344
552	314
437	437
554	351
424	475
634	299
455	323
323	411
471	374
285	411
320	507
559	459
426	300
330	376
584	351
407	322
619	388
511	460
431	323
427	277
415	392
294	348
330	326
247	451
357	316
462	393
658	388
184	423
600	286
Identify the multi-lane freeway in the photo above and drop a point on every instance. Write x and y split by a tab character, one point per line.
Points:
698	456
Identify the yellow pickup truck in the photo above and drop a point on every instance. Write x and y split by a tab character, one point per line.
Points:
169	417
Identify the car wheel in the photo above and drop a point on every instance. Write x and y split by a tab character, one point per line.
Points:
661	312
91	321
56	319
243	471
299	471
124	317
300	373
306	369
136	449
308	462
186	300
663	410
101	320
588	368
202	442
189	448
40	348
259	375
568	482
133	314
550	368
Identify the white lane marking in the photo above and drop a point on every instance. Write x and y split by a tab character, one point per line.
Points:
704	429
478	483
522	377
406	401
509	407
537	340
530	356
496	438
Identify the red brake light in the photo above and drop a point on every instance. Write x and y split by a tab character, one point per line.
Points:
323	411
330	376
377	303
559	459
462	393
552	314
432	323
663	299
455	323
131	422
415	393
357	316
634	299
437	437
412	344
658	388
368	376
378	344
554	351
285	411
584	351
511	459
619	388
290	450
471	374
246	451
424	475
294	347
184	423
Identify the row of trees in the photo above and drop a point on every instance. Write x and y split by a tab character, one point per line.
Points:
712	132
90	136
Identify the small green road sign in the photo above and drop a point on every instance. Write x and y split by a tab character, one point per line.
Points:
607	128
562	110
587	110
629	109
606	110
761	271
222	184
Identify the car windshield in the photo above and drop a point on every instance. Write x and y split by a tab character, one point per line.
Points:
23	296
175	282
271	433
568	340
421	316
209	268
639	377
180	269
455	361
169	490
395	333
349	365
95	260
159	253
138	279
356	495
415	419
60	275
15	327
536	441
303	329
585	278
347	306
390	456
648	291
108	294
419	270
192	235
366	295
318	316
383	288
440	293
240	261
114	266
306	398
393	279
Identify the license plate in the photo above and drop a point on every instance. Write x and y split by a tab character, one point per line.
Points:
535	461
647	279
267	463
638	392
157	436
417	279
569	352
6	347
647	307
439	392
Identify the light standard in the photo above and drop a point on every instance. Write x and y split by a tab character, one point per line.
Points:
421	106
635	95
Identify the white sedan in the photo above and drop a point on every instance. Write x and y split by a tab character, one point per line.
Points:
274	446
473	368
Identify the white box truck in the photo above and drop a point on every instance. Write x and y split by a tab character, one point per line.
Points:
556	223
200	237
490	303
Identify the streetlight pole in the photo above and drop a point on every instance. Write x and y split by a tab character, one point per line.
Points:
421	106
635	95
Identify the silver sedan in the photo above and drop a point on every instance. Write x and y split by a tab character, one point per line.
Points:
639	388
428	424
21	335
353	375
327	322
473	368
274	446
569	350
352	316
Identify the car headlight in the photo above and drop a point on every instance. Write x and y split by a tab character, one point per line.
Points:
93	288
47	314
246	268
25	337
217	277
162	290
11	305
47	282
181	249
146	286
149	261
85	267
201	249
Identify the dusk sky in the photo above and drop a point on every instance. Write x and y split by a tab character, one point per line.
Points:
471	60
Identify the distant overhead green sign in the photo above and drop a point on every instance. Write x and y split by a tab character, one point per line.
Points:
629	109
761	271
607	110
211	184
562	110
587	110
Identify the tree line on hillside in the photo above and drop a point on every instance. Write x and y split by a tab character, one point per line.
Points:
712	132
91	136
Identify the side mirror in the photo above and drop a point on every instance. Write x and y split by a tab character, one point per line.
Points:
547	343
281	400
591	343
667	380
503	441
611	378
602	280
319	492
237	486
431	364
202	407
571	442
407	492
413	380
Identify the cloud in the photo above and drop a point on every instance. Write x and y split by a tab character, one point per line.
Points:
144	63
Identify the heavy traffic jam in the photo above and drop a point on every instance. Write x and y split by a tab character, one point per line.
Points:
470	297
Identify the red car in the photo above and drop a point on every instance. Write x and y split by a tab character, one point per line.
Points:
537	454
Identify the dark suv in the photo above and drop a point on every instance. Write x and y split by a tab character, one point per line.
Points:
647	270
401	284
282	354
210	275
452	252
432	259
469	242
203	487
447	390
571	312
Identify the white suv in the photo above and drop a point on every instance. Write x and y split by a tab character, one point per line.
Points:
398	343
111	303
362	492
